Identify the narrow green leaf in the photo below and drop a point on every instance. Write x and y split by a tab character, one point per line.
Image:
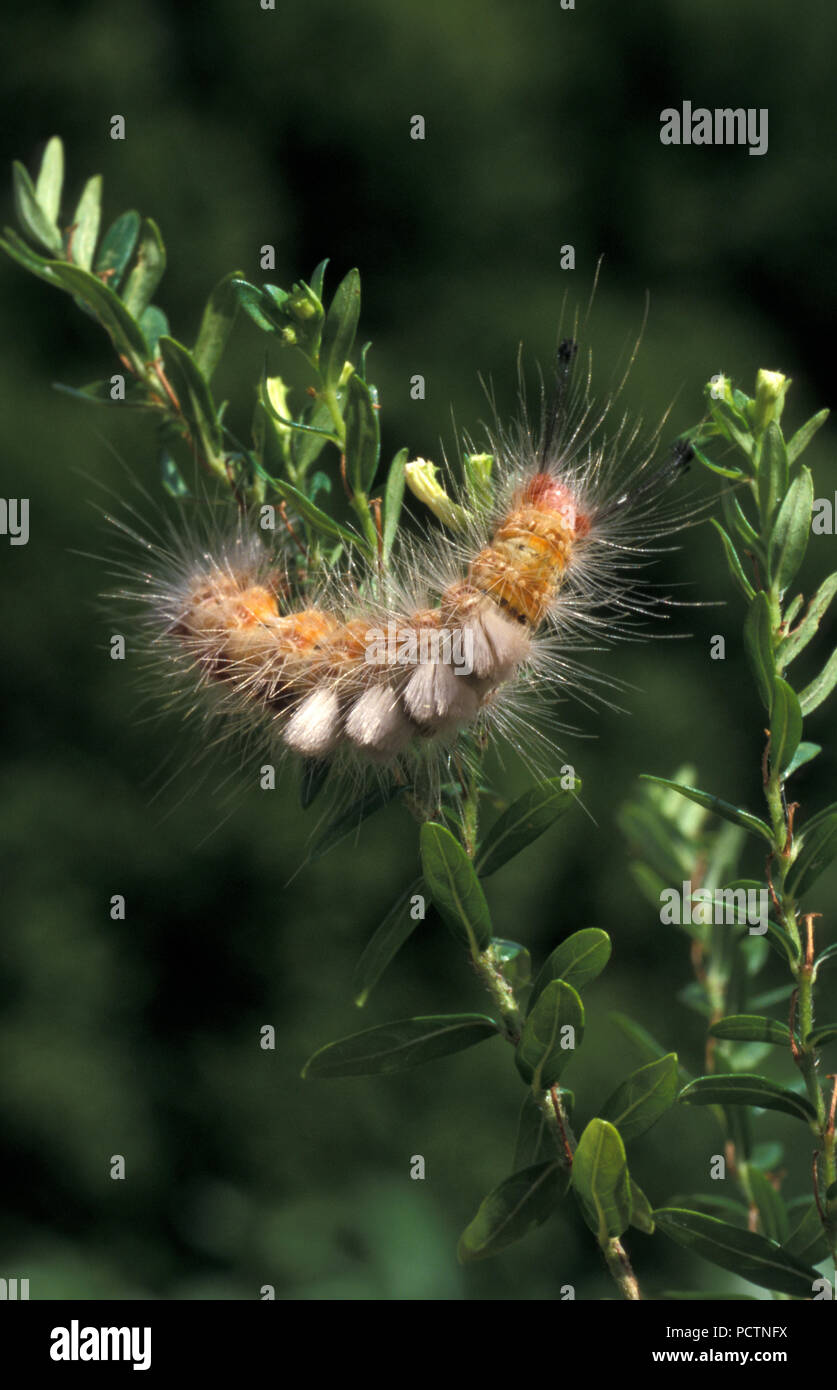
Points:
805	753
195	398
819	847
383	946
805	434
734	565
86	220
154	325
720	808
551	1034
789	539
20	251
826	1033
643	1097
260	307
743	1089
738	523
393	499
713	1202
147	271
772	472
50	178
316	281
534	1142
758	643
808	1240
340	328
108	308
829	954
348	822
601	1180
312	514
820	687
716	467
514	1208
363	436
732	425
773	1214
400	1046
454	887
522	822
216	324
752	1028
37	223
642	1213
746	1254
578	960
785	724
116	248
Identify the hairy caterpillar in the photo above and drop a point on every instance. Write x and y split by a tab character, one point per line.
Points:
384	669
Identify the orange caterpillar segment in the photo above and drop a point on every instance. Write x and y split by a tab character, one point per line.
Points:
330	682
523	566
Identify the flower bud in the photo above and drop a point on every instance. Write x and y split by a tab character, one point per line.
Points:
422	482
770	399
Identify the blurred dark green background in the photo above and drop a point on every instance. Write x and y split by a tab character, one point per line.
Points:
142	1038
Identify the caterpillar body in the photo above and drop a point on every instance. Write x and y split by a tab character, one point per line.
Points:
385	670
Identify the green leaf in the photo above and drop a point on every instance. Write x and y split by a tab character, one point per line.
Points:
734	565
261	308
340	328
454	887
737	522
789	539
116	248
363	436
643	1097
147	271
716	467
732	425
805	434
805	753
818	849
397	926
216	325
820	687
751	1028
50	178
35	221
394	1047
534	1141
829	954
808	1240
173	481
514	1208
648	1046
773	1215
154	325
798	639
720	808
772	472
108	308
348	822
642	1213
758	643
195	399
86	219
785	724
317	279
746	1254
601	1180
393	498
551	1034
313	516
735	1211
578	960
744	1089
21	252
826	1033
522	822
